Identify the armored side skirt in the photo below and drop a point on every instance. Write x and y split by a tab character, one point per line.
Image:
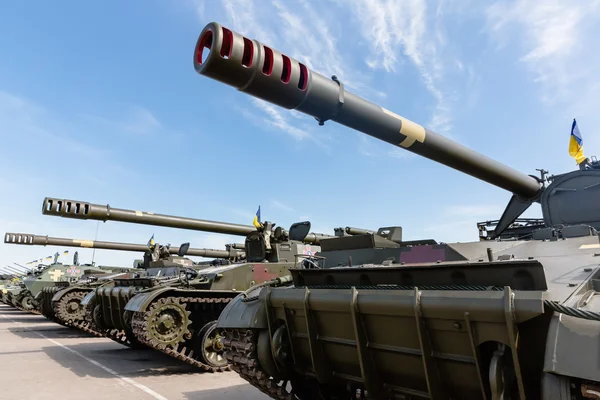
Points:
405	341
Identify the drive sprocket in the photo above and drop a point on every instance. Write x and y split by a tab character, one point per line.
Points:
167	322
68	309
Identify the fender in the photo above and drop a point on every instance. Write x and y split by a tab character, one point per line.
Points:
238	314
89	298
61	292
141	301
573	346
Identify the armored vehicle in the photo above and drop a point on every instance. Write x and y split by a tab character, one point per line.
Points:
177	314
11	289
62	303
521	323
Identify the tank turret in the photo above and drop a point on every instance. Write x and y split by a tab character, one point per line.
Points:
263	72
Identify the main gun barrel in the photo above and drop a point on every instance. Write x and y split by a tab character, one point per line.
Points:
30	239
265	73
84	210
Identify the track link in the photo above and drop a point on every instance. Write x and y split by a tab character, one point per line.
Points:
116	335
182	351
240	350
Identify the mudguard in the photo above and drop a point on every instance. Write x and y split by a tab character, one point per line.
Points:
239	314
573	347
61	292
141	301
89	298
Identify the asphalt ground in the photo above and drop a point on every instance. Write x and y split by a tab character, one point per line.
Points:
43	360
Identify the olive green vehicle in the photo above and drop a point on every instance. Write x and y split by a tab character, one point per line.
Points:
18	294
10	288
62	303
176	313
521	322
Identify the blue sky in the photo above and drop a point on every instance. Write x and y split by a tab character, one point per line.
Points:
100	102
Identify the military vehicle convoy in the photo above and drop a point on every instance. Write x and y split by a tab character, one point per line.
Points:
63	303
523	321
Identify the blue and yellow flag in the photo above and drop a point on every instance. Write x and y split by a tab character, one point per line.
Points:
576	144
151	241
65	252
256	221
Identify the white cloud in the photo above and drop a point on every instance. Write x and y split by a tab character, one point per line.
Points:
276	119
557	40
281	206
406	27
132	119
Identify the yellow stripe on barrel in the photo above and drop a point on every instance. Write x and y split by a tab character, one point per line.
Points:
413	131
84	243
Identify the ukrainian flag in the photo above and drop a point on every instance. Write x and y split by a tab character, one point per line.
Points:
65	252
151	241
256	221
576	144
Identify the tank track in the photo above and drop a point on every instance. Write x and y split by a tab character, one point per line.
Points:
182	351
18	306
240	351
115	335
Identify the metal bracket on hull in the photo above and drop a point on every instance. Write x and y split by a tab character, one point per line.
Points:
322	369
368	367
509	312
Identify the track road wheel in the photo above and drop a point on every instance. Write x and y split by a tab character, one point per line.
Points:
132	340
27	303
97	317
68	309
209	347
168	322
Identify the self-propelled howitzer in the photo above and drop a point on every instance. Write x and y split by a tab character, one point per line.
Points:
521	323
178	318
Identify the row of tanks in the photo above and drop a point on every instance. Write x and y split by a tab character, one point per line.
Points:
360	313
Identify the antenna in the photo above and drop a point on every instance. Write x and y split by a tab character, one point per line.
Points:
95	239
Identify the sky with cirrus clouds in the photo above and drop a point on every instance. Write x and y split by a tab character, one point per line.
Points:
100	102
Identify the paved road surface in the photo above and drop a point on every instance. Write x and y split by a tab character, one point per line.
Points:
42	360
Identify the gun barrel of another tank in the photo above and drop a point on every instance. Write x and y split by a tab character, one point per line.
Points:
267	74
83	210
356	231
39	240
212	253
